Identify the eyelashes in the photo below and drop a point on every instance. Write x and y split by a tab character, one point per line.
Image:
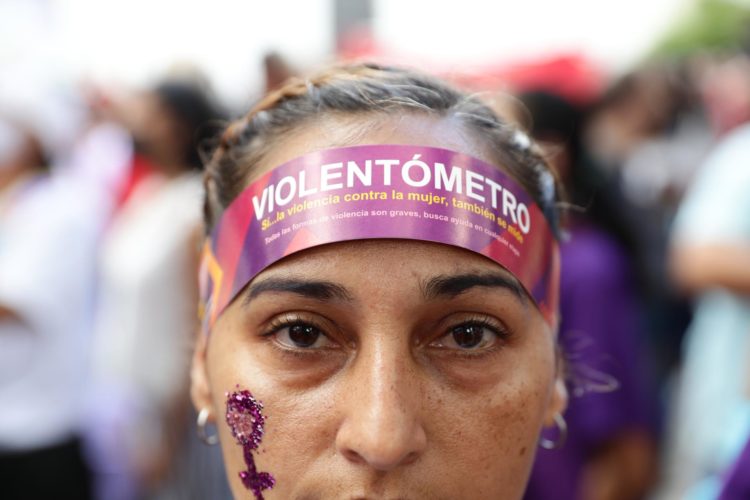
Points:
463	334
294	331
478	334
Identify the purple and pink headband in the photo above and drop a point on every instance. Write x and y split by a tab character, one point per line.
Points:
380	191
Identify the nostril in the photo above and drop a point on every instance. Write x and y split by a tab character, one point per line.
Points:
410	458
380	458
353	456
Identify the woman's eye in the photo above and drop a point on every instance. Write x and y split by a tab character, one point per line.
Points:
302	336
469	336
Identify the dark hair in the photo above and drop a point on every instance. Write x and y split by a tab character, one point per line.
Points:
586	184
196	113
363	89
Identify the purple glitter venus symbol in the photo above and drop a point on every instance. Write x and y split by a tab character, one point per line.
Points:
246	420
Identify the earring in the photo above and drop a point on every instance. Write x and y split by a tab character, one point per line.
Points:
562	435
201	428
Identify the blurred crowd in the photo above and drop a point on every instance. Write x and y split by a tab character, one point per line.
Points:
100	226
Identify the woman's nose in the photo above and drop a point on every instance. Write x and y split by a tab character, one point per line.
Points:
382	427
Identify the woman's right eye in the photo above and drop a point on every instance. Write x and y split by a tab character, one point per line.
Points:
302	336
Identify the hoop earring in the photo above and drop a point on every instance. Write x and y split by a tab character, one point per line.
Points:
201	428
562	436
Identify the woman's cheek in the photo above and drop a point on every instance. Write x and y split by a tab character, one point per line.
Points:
520	415
246	422
298	430
493	439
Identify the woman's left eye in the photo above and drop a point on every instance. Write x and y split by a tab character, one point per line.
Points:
469	336
302	336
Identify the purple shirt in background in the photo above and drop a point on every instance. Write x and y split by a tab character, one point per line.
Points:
737	483
599	333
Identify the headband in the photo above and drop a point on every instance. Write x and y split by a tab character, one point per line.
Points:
380	191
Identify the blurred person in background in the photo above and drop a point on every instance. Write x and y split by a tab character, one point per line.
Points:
710	259
736	482
610	453
48	236
649	134
147	309
723	83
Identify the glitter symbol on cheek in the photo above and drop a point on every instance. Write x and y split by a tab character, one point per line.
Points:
246	420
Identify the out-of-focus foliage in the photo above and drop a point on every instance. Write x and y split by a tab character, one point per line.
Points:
708	24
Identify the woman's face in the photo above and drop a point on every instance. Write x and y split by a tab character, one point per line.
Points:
387	369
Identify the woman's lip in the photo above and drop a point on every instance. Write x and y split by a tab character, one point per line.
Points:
374	496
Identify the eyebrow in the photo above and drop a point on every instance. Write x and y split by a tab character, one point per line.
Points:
317	290
451	286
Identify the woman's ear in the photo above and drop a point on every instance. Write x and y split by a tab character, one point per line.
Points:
559	400
200	387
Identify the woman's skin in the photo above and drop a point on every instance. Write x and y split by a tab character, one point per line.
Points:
387	369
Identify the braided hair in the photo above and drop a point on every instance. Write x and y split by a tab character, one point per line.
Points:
362	89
